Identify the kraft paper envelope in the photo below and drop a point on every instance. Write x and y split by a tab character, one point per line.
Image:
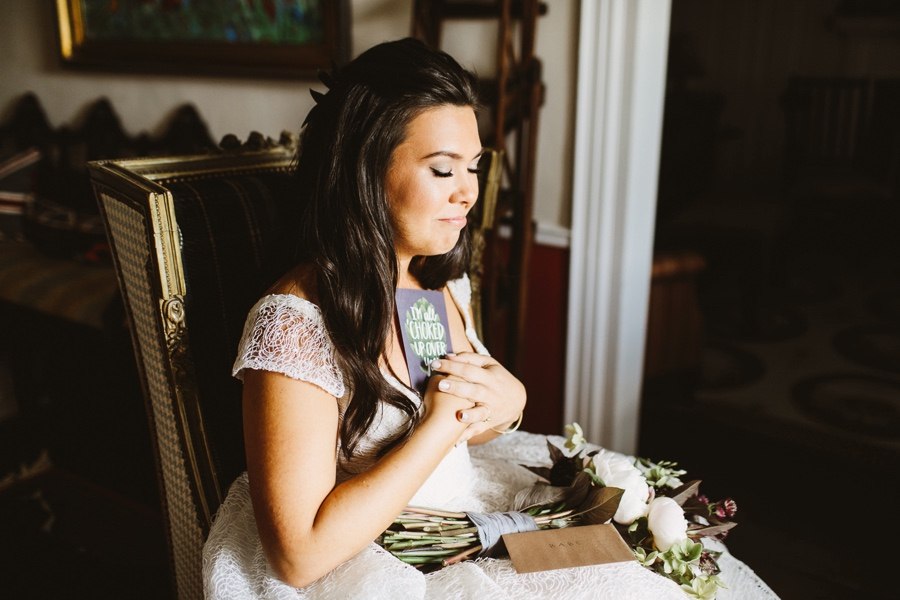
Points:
568	547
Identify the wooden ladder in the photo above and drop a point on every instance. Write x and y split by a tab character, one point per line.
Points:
513	98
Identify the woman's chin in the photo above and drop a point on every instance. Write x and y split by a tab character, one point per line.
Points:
438	244
443	247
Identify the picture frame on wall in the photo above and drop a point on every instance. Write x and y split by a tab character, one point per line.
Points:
252	38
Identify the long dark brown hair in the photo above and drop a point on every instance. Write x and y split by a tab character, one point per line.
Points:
345	229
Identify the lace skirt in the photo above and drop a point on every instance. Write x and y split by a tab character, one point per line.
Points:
234	565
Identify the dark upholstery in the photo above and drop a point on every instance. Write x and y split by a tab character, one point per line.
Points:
233	232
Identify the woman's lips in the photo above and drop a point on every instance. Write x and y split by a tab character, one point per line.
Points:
458	222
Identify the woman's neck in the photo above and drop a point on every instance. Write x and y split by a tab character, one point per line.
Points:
405	279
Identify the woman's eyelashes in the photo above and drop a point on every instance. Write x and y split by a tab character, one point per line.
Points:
441	173
449	173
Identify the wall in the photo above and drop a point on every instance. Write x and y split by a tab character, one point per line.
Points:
28	61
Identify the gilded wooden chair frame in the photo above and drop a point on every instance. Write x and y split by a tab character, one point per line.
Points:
138	211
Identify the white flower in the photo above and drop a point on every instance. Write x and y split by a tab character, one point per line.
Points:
574	437
616	470
666	522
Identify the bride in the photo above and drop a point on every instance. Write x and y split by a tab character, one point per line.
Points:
339	438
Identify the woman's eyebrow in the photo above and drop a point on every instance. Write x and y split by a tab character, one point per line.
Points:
451	154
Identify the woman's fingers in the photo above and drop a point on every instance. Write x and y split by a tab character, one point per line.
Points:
477	414
461	388
473	358
498	397
463	369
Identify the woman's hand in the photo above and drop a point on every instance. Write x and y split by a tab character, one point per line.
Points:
497	398
443	407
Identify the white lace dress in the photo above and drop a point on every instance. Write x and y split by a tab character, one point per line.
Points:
286	334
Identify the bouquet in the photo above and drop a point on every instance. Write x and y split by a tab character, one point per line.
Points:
662	518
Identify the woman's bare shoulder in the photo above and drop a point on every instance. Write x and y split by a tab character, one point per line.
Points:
299	281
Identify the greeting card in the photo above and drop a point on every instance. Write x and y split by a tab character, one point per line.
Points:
423	327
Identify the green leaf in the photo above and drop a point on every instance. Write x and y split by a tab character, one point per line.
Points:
686	551
644	558
694	553
703	588
594	477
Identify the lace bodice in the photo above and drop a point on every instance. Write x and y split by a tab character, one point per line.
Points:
286	334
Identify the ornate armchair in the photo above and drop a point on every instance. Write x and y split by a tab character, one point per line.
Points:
195	241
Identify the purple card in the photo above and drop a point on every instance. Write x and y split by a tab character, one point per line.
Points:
423	327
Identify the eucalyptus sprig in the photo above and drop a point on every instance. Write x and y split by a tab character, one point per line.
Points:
662	474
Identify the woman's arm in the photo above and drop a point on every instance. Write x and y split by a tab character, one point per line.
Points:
307	525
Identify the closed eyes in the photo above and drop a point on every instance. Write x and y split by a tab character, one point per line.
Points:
439	173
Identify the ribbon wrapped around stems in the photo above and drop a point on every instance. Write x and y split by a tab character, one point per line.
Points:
493	525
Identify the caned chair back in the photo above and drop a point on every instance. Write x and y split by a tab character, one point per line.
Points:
195	241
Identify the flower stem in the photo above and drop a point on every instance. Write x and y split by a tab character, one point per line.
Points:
461	556
435	513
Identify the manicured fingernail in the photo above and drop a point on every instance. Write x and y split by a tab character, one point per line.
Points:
436	364
444	385
463	416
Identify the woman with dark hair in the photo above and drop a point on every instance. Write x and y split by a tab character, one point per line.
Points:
338	441
339	437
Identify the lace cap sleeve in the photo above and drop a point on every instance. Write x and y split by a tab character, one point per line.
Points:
461	292
285	334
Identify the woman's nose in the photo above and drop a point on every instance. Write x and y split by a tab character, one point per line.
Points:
467	191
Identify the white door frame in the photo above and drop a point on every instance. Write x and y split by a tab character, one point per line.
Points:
622	52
